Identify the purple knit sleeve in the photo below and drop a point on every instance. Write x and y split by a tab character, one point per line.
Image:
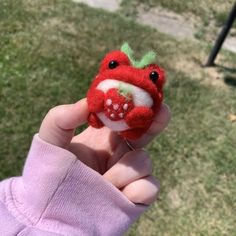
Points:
59	195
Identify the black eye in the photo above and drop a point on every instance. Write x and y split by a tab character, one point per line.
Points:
154	76
113	64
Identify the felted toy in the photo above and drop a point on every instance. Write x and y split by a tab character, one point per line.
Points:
126	93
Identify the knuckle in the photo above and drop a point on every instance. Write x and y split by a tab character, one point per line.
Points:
55	113
114	177
52	111
148	165
119	184
134	196
145	162
155	186
145	191
152	190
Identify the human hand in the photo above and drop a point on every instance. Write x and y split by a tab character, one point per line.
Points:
105	151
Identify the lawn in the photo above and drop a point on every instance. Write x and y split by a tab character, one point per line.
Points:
50	51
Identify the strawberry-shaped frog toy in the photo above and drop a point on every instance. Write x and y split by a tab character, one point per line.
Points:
126	94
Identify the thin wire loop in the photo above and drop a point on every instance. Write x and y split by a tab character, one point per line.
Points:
129	145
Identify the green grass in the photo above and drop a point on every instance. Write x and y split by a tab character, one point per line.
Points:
50	51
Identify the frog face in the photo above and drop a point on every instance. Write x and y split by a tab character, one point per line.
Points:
144	85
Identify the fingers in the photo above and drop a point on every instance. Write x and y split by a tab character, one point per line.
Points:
132	166
132	174
58	125
143	191
160	122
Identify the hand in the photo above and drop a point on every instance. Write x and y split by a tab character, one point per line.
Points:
105	151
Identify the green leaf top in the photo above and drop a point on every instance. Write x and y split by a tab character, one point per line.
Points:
146	60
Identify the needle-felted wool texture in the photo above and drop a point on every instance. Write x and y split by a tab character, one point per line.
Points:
126	93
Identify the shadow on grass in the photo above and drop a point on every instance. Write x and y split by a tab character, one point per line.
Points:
229	75
227	69
230	80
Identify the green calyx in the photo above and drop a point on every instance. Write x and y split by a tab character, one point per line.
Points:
146	60
125	91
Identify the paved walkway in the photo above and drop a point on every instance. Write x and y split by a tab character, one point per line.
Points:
167	22
164	21
109	5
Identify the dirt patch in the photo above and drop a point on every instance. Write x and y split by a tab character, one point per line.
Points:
57	24
192	63
35	6
205	75
174	199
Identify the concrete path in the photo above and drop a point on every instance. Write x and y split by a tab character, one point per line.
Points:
109	5
164	21
230	44
167	22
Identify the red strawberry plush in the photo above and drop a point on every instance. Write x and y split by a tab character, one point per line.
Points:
126	94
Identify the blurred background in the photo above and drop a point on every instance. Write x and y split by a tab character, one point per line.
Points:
50	51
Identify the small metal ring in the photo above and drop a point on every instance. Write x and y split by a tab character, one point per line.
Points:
129	145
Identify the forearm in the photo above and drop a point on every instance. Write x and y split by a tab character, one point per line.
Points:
57	193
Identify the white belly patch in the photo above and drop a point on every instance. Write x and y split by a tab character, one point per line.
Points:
119	125
140	96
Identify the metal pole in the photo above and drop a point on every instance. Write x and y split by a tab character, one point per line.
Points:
221	38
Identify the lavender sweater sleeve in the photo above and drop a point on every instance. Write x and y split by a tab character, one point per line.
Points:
59	195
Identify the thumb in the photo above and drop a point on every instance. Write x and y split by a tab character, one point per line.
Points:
60	122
